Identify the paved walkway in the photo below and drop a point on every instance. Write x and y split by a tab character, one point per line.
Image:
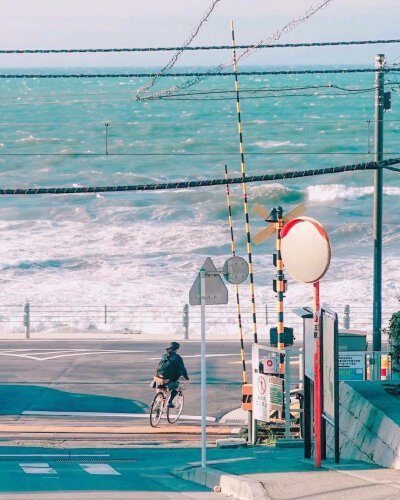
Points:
285	475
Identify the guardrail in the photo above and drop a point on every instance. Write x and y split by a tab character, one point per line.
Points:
170	318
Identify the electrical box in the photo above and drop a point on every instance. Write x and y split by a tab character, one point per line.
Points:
287	337
352	340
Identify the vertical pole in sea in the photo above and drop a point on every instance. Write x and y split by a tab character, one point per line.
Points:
246	205
228	199
378	198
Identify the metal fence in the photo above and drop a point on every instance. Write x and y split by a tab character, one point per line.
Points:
181	318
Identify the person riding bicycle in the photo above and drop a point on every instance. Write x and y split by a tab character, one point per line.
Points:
169	369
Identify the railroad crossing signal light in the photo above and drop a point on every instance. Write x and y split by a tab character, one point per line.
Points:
270	230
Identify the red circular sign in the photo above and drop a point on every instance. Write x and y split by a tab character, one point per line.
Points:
269	362
262	386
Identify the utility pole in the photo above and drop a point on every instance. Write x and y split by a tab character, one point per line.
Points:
378	196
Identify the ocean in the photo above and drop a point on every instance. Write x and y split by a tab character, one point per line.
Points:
141	251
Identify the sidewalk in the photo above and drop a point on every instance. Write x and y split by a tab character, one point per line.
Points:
281	474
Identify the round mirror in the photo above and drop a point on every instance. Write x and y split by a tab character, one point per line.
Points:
305	250
236	270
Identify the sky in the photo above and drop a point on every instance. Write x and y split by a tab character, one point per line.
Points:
136	23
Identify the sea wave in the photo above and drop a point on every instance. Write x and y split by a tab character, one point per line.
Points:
276	144
331	192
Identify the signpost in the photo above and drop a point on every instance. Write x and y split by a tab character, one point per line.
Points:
306	255
209	289
330	375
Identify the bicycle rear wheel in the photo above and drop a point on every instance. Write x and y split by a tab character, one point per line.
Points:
156	409
174	413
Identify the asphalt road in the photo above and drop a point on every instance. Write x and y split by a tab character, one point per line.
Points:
102	473
110	376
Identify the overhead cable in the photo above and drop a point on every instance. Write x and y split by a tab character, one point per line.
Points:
203	183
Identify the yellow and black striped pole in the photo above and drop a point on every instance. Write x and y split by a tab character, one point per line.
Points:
280	285
228	199
246	205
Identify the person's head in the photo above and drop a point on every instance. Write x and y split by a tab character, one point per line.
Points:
173	347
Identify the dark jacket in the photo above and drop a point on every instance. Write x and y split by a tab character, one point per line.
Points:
172	367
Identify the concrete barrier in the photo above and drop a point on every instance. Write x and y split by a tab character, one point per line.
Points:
369	424
229	484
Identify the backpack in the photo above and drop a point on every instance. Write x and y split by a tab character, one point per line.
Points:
164	367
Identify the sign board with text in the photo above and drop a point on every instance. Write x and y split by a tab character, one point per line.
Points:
261	409
352	366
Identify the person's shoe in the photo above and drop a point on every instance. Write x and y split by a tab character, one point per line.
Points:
171	405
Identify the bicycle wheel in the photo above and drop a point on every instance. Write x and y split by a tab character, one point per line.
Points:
156	409
174	413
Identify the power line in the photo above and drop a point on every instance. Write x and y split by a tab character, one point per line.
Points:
194	74
206	182
175	57
200	47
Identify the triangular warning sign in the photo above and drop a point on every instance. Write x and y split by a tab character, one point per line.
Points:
216	291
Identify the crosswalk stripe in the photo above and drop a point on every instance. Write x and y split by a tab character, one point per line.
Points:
103	469
38	468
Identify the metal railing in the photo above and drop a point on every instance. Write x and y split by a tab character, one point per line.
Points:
169	318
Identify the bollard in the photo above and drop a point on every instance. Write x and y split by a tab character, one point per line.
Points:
186	320
27	320
346	316
266	314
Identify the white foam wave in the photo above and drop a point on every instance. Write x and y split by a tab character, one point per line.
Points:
331	192
276	144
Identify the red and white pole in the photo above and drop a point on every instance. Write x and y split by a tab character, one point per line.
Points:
317	381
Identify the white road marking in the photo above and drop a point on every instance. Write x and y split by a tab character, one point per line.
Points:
64	353
103	414
103	469
39	468
223	461
199	355
51	455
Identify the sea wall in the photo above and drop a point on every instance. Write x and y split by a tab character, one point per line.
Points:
369	423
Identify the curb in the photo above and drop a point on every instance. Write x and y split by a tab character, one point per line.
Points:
229	484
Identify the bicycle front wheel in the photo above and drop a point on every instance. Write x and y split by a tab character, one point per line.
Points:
174	413
156	409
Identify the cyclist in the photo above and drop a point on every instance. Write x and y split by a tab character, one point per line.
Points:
169	369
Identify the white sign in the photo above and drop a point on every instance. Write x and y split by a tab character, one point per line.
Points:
351	366
270	364
261	409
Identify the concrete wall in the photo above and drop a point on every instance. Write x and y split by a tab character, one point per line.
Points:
369	424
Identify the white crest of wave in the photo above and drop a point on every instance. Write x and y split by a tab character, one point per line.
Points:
276	144
331	192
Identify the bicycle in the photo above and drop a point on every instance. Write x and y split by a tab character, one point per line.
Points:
159	406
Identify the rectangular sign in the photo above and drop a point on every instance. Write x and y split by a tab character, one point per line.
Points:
352	366
270	364
261	409
275	393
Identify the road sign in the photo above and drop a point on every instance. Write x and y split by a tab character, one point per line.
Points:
306	250
271	229
351	366
215	289
236	270
270	364
261	408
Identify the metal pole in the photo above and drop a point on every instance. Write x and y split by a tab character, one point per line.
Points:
287	394
228	200
203	366
280	330
378	196
27	320
317	381
186	320
105	314
106	125
245	200
346	316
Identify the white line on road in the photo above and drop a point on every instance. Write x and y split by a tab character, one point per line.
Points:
65	353
207	356
103	469
103	414
223	461
51	455
39	468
